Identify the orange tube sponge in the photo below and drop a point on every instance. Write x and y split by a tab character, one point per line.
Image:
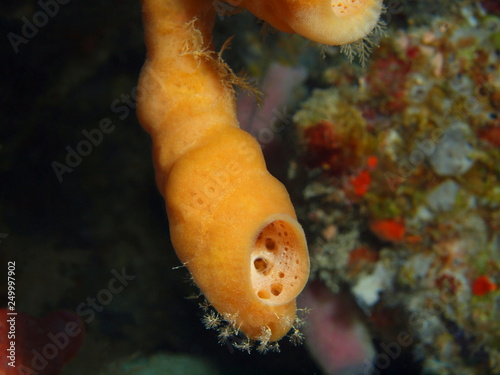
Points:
231	223
332	22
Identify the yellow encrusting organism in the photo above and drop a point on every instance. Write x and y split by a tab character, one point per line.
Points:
231	223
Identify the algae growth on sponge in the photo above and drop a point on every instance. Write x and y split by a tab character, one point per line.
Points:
232	223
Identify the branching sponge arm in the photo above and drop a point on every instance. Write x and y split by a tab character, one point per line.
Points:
231	222
179	86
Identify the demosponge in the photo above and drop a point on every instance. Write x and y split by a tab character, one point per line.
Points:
231	223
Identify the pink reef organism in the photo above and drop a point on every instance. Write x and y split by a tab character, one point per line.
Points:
38	346
265	121
335	334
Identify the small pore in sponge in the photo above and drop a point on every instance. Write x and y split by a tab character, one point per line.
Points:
278	268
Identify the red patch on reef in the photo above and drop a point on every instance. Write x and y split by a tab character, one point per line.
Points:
322	145
372	162
389	229
490	134
483	285
362	254
387	78
413	52
328	149
361	183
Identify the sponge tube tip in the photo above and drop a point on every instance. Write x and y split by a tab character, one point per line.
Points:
336	22
332	22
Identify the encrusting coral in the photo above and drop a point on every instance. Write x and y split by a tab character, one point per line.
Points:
232	224
407	219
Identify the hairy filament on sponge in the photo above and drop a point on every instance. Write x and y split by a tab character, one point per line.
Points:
229	333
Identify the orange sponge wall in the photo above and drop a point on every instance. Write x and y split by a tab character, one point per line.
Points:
232	224
234	227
